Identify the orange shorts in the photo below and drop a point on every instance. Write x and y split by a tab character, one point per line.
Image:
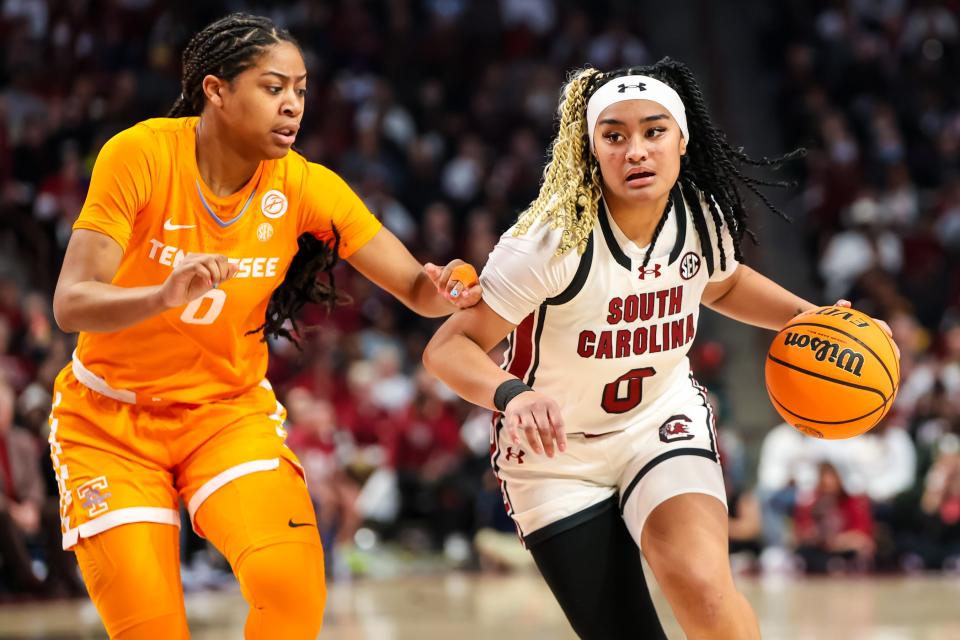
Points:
118	462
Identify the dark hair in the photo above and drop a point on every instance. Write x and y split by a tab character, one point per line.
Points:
226	48
302	285
711	165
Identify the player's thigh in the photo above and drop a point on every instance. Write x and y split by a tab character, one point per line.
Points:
674	454
108	474
594	571
132	573
257	510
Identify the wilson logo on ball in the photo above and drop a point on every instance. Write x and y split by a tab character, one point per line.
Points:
824	350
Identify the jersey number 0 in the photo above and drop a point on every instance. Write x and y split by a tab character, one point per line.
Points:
191	314
613	402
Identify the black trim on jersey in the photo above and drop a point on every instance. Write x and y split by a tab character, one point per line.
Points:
541	317
673	453
579	278
706	405
511	338
496	473
615	249
680	208
571	521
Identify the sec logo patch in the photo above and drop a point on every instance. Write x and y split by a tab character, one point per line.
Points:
264	232
689	265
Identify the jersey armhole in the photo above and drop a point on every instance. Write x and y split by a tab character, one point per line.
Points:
579	278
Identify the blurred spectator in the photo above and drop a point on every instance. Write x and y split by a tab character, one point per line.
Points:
21	498
865	245
321	448
29	523
833	529
938	543
745	523
427	454
785	461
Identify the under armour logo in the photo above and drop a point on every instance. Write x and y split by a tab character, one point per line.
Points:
655	272
639	87
518	455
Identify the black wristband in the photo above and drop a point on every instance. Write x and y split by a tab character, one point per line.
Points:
507	391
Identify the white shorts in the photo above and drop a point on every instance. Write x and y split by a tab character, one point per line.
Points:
633	470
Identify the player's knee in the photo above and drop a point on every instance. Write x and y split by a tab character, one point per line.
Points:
701	583
287	580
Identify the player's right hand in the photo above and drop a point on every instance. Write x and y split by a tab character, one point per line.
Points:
195	275
538	417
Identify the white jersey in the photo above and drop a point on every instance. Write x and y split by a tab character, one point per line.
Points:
606	338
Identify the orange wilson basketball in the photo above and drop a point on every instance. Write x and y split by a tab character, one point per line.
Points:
832	372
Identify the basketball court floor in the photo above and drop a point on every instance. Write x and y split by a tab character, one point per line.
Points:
470	607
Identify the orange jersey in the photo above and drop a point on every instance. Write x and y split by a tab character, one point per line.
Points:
146	193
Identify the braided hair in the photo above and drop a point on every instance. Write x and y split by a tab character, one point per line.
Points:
570	194
225	49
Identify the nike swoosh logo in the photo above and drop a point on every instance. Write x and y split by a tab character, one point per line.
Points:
169	226
293	525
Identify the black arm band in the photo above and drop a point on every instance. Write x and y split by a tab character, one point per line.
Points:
507	391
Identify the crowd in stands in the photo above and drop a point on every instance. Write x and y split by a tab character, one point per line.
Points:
870	89
438	113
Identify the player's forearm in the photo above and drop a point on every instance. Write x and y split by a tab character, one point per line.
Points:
463	365
425	300
758	300
99	307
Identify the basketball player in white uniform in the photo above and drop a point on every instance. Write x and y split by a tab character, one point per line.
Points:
599	286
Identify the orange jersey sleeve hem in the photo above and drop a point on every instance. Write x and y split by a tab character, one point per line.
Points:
358	241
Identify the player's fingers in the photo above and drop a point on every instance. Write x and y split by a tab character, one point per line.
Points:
512	425
889	332
227	268
212	266
463	276
468	298
885	327
533	437
443	280
843	303
556	424
433	272
544	431
201	271
223	267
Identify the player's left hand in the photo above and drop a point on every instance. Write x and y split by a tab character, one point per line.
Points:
883	325
457	282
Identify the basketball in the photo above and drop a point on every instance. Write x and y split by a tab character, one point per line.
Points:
832	373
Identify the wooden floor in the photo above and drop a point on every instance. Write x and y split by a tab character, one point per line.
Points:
466	607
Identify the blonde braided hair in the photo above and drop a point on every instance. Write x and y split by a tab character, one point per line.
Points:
570	194
569	197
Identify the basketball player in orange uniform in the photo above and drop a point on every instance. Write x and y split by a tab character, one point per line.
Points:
186	242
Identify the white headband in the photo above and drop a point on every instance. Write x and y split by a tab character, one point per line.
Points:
636	88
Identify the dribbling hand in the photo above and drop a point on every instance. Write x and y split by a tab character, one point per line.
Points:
883	325
194	276
538	416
